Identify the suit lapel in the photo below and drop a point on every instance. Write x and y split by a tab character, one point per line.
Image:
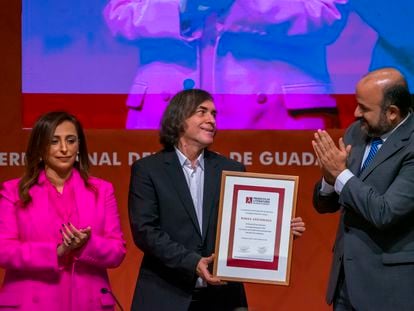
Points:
211	181
178	182
85	201
357	153
393	144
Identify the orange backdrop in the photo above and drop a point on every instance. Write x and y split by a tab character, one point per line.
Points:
279	152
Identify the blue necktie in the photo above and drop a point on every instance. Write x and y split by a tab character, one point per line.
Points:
375	143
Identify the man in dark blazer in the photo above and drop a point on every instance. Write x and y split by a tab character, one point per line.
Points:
165	218
369	179
173	206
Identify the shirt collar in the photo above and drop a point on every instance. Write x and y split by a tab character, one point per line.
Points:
185	161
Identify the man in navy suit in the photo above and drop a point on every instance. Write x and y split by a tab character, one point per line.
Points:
173	205
369	179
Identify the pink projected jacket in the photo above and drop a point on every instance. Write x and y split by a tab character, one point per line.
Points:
34	279
265	60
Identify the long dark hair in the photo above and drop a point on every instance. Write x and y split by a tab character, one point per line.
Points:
38	146
181	107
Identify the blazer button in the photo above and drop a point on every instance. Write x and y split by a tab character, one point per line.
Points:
165	96
261	98
188	84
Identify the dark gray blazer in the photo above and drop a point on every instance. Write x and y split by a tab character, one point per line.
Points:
165	227
375	238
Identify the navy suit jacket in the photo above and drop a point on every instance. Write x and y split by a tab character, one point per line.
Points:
375	239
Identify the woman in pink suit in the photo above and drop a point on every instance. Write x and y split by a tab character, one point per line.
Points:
59	227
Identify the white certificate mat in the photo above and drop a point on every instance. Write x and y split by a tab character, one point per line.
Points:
253	241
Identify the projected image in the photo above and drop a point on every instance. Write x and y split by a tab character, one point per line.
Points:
271	64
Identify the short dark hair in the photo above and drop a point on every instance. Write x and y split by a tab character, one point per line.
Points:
181	107
398	95
38	146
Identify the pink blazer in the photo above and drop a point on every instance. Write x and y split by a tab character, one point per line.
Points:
34	279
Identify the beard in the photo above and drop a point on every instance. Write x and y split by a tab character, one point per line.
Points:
378	129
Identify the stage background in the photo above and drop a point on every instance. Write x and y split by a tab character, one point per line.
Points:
311	253
279	152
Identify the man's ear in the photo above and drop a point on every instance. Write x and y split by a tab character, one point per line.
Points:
393	113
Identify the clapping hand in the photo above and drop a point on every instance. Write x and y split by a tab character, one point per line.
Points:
72	238
332	159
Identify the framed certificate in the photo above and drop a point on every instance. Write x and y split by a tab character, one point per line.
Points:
254	240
